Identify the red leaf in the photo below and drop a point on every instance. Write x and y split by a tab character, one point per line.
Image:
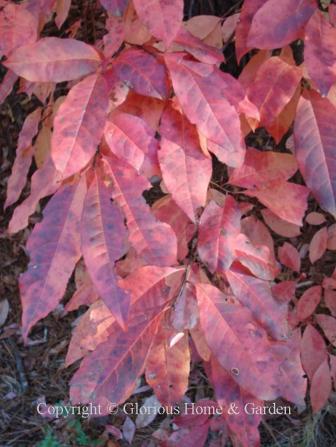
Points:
314	218
308	302
45	181
330	300
285	23
108	375
289	257
167	211
280	226
130	138
273	87
167	368
256	295
318	245
320	387
62	11
314	140
320	52
103	239
218	229
259	168
287	200
203	104
181	161
24	154
257	232
54	249
115	36
249	9
115	7
229	394
52	59
332	237
91	330
313	350
17	25
79	125
235	330
198	49
185	312
142	72
328	325
7	85
162	18
154	241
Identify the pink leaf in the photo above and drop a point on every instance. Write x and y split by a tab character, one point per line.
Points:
181	161
285	23
280	226
314	142
320	52
52	59
115	7
103	239
318	245
289	257
141	71
54	249
7	85
328	325
162	18
314	218
256	295
313	350
154	241
24	154
320	387
79	125
308	302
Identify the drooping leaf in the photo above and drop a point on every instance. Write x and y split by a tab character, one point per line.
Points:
314	144
287	200
259	168
273	87
115	7
141	71
54	249
90	331
45	181
242	426
167	211
203	104
162	18
234	329
154	241
79	125
17	25
182	161
248	10
130	138
285	22
52	59
103	242
217	232
24	154
62	11
320	52
7	85
108	375
168	366
256	295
